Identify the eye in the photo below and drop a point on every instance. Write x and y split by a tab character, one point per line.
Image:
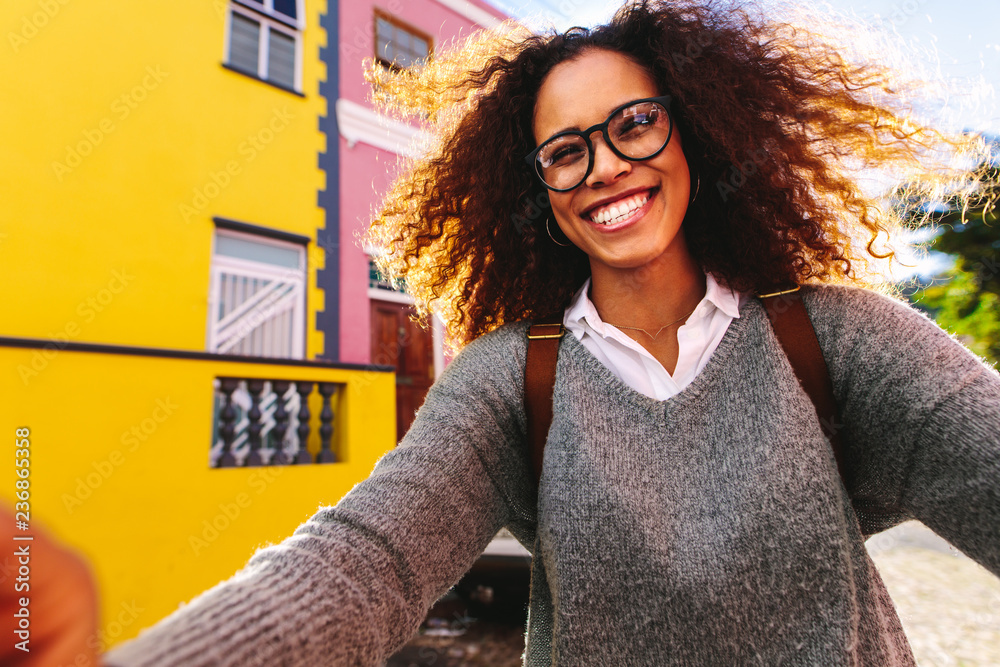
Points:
562	152
637	119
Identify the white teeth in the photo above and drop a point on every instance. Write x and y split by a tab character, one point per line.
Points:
609	214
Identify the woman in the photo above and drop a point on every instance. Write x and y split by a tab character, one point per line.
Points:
689	509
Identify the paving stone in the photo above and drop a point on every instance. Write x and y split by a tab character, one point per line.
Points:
949	605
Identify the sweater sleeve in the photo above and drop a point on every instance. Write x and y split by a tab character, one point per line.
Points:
921	418
353	583
953	481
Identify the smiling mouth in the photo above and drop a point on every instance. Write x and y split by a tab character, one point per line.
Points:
619	210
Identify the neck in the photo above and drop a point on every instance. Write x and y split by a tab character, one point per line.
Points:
660	292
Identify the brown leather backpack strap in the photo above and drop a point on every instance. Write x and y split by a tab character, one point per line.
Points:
795	332
544	336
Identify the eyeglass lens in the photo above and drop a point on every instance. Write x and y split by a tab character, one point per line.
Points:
637	132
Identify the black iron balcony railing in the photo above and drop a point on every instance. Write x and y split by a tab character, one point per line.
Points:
262	422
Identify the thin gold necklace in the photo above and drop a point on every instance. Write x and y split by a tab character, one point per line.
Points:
658	331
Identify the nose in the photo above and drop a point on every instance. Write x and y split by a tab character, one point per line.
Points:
608	166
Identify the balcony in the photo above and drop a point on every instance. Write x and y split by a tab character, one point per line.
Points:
261	422
167	469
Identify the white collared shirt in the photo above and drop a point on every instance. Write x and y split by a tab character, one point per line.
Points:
633	364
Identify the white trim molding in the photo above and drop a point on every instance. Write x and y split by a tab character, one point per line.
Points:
376	294
471	12
438	333
359	123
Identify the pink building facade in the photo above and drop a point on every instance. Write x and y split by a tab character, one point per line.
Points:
368	147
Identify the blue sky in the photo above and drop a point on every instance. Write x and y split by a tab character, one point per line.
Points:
953	42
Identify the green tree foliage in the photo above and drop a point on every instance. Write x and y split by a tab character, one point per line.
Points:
966	299
961	306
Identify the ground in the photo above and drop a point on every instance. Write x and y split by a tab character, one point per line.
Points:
948	603
481	644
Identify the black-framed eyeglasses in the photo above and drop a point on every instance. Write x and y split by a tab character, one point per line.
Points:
635	131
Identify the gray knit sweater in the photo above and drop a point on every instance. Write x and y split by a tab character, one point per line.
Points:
709	529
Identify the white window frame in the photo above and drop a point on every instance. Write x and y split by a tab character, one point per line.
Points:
266	21
259	269
267	7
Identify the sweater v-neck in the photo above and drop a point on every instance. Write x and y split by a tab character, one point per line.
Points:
717	364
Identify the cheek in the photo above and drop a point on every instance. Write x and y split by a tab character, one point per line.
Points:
675	164
560	203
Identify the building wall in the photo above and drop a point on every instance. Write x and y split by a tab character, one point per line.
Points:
119	470
366	167
441	19
130	135
125	137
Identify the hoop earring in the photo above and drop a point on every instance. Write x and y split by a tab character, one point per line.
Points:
697	188
564	245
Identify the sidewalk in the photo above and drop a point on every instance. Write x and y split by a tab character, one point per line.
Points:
949	605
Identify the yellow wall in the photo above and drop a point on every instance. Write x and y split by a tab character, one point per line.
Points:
117	115
143	85
119	470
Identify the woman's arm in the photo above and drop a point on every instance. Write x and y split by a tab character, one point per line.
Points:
953	481
353	583
921	417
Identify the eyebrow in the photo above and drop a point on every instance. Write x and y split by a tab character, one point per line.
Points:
576	128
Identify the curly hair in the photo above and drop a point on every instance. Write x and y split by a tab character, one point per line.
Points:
775	124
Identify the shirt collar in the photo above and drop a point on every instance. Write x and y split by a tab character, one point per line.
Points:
723	298
582	312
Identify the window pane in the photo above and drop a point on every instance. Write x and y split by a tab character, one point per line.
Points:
402	39
257	252
383	49
396	44
243	43
281	59
383	39
286	7
402	58
420	47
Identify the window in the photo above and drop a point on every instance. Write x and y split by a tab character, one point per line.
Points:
257	300
397	45
264	40
376	281
283	10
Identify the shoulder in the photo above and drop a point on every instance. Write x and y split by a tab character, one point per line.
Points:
504	346
494	362
504	338
874	330
844	303
840	310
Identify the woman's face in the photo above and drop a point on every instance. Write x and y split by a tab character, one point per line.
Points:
650	196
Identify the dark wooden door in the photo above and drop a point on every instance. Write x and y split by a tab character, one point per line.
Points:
398	341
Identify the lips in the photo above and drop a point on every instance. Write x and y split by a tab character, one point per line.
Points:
619	209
